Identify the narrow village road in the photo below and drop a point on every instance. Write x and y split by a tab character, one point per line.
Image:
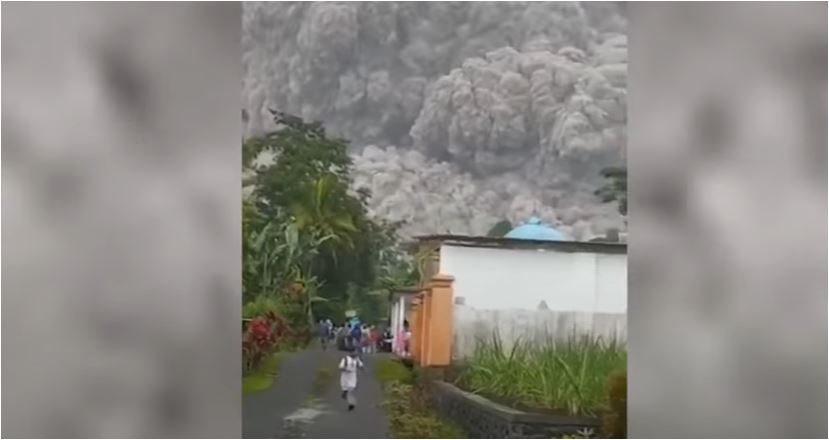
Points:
305	401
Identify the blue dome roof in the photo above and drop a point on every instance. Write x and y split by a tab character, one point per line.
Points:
535	229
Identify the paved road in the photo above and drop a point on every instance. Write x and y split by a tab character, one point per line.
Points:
305	401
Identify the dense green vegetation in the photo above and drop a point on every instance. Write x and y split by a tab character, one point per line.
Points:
310	249
569	375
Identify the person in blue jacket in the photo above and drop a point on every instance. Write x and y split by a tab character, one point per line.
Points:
355	333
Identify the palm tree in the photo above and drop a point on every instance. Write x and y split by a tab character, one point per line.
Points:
322	213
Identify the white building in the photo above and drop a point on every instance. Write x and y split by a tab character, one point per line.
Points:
531	284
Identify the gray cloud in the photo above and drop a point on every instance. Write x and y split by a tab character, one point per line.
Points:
528	97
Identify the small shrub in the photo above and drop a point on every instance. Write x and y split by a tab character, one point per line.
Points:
294	313
257	343
262	336
269	327
260	306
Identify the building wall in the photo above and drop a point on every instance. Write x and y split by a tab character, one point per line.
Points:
502	290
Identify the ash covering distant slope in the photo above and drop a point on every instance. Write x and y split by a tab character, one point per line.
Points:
460	114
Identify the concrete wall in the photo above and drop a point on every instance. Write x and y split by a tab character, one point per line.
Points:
472	325
506	290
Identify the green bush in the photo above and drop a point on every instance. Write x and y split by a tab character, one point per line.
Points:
295	314
566	375
299	333
260	306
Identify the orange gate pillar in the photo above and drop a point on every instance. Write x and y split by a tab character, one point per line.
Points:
440	334
426	326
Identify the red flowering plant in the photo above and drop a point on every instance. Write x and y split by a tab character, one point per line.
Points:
263	335
257	342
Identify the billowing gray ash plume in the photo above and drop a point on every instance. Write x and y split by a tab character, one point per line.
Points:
474	112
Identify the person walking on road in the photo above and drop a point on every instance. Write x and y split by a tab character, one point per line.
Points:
376	339
323	331
355	333
364	338
348	377
330	326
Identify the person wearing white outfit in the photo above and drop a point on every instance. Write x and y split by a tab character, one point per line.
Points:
348	377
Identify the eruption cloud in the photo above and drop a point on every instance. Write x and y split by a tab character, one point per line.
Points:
459	114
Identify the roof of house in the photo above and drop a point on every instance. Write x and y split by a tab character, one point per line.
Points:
535	229
523	243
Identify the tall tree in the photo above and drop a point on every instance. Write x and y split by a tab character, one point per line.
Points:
321	211
309	183
302	154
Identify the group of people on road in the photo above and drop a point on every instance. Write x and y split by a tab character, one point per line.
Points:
353	335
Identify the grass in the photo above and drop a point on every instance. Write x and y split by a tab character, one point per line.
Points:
566	375
391	370
407	407
263	377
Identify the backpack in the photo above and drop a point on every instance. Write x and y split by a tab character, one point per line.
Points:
350	364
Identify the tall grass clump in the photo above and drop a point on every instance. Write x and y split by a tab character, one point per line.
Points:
568	375
614	422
